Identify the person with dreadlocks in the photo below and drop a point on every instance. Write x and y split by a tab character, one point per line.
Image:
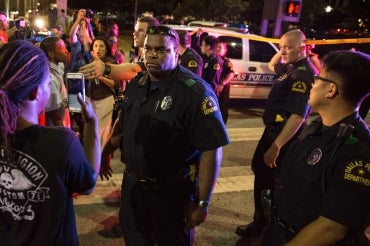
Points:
37	179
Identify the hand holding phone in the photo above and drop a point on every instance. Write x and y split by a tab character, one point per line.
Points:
75	85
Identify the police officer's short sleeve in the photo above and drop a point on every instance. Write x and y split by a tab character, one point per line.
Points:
207	130
347	200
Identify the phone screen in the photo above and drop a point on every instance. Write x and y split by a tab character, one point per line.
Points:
75	85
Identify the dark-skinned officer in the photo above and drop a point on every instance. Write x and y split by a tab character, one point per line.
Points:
322	197
170	123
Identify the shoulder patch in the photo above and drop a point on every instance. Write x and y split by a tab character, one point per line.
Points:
216	66
357	171
192	63
189	82
302	68
209	105
351	140
299	86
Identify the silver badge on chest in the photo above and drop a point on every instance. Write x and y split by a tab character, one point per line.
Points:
166	102
314	157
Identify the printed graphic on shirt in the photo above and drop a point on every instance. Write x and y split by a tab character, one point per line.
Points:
192	63
21	185
209	105
358	171
299	86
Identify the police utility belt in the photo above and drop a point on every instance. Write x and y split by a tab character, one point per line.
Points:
155	182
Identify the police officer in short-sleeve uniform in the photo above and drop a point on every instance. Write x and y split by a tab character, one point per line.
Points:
287	102
305	192
188	57
322	196
166	126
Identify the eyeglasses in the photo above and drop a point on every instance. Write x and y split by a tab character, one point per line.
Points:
162	30
318	77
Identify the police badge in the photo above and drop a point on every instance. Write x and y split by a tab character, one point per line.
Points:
166	103
314	157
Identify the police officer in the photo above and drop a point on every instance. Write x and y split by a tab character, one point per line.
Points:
285	113
188	57
223	89
212	62
170	125
324	187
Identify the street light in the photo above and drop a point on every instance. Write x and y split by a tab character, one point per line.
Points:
328	9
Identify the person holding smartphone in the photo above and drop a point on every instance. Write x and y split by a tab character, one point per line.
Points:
42	166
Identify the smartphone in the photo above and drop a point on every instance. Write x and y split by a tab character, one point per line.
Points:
75	84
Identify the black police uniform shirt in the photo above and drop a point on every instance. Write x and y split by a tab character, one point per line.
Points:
36	204
192	61
212	68
289	94
168	123
302	197
227	67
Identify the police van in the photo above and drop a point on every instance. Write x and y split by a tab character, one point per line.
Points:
250	55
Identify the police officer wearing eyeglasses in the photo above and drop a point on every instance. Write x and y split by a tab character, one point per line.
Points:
322	197
172	137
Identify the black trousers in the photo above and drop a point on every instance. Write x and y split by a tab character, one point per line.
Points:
223	101
264	176
154	214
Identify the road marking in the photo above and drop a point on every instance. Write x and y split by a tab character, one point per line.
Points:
231	179
245	134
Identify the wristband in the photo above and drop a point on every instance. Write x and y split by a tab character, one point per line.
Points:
107	69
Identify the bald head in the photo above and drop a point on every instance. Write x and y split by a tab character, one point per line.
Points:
297	36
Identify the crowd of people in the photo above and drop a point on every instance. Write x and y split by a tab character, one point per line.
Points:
170	127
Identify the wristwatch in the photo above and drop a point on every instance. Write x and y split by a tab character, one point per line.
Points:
107	69
203	204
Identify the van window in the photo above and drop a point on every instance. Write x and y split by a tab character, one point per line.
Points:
234	46
260	51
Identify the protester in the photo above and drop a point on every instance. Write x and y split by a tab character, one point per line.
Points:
170	121
57	113
323	191
285	114
112	34
102	90
80	40
40	167
4	26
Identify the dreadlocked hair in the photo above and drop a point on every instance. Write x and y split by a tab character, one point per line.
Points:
23	66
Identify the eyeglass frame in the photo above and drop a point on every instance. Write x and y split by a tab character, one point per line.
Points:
318	77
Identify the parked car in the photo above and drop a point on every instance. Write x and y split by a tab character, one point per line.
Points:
250	55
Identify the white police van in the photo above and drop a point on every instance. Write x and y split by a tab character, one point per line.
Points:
250	55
